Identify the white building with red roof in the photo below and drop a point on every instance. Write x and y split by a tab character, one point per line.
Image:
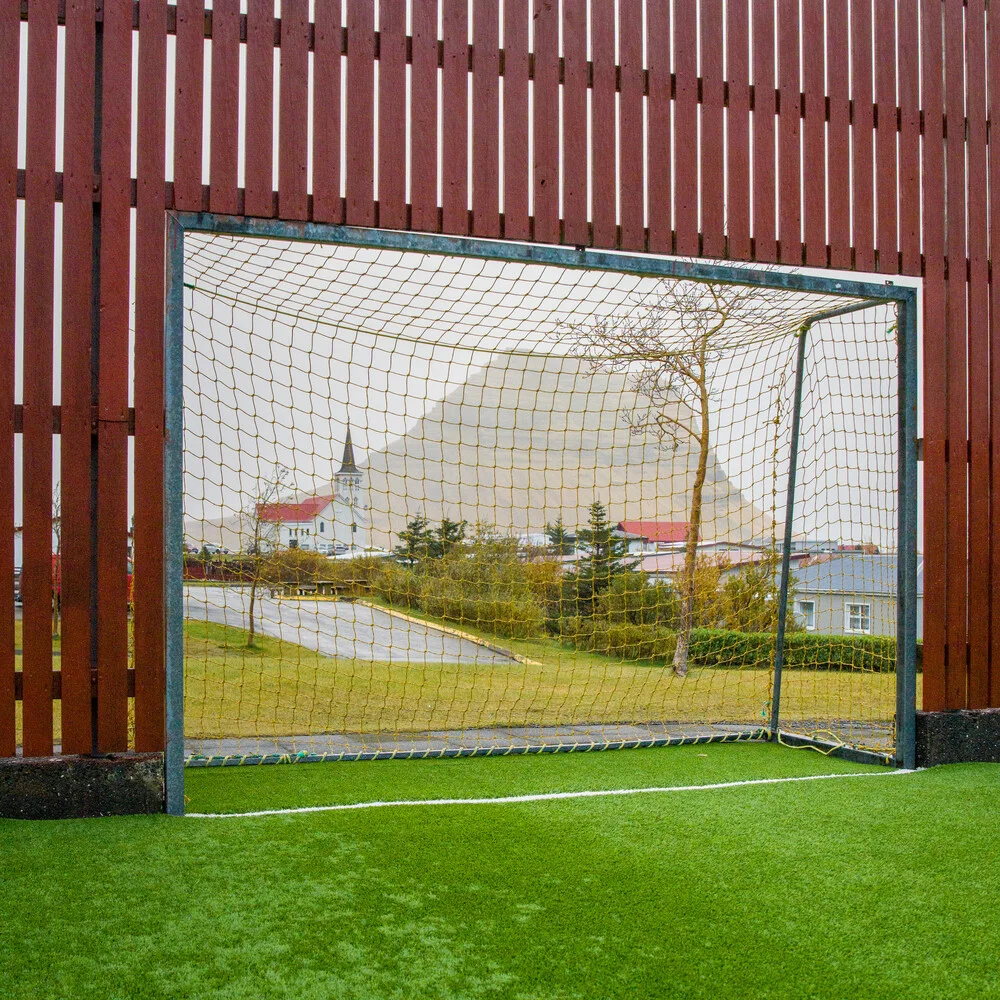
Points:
652	536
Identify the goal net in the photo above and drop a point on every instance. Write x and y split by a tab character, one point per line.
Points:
442	504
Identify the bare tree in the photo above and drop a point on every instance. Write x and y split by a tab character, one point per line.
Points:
260	517
670	343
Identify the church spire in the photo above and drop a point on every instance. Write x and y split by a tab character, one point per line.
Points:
347	465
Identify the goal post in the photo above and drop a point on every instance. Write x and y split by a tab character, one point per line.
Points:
807	299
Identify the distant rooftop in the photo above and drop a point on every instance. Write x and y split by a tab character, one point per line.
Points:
656	531
853	573
293	513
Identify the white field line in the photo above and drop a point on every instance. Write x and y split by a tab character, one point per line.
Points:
544	796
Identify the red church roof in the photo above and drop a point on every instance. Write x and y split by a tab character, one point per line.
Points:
292	513
656	531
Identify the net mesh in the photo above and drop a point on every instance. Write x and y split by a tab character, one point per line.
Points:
444	504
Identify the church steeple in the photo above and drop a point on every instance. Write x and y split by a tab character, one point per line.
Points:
347	465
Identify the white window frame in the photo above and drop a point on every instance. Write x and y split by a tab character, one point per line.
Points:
864	615
809	620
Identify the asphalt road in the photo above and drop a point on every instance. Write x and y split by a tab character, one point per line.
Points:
336	628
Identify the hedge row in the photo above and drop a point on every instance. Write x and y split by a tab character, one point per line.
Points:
730	650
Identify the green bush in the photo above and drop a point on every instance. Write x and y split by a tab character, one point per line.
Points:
621	640
397	586
511	618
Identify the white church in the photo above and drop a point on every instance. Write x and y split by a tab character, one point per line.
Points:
331	524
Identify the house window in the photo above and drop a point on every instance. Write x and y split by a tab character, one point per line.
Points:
807	612
322	528
858	618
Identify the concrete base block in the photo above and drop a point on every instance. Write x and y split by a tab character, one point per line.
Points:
958	737
77	787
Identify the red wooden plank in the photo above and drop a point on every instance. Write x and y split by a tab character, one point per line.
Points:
516	224
486	118
738	129
764	165
839	133
686	129
713	211
75	393
360	137
935	363
814	134
979	361
993	68
909	145
455	117
148	620
10	49
189	89
327	57
225	112
863	222
293	113
576	168
885	136
603	195
424	118
545	122
112	435
39	225
660	114
392	116
957	346
259	156
631	151
789	135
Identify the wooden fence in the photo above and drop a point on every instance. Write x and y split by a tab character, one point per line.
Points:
845	134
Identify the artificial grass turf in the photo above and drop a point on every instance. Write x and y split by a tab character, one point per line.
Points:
867	888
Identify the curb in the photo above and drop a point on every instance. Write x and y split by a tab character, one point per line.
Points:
493	647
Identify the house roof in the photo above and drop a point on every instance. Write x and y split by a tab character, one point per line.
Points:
293	513
853	573
735	558
656	531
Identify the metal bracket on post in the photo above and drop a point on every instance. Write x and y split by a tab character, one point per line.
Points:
173	517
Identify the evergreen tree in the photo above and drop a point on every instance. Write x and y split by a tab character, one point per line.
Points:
415	542
446	537
561	541
607	559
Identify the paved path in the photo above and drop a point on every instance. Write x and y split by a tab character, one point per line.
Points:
337	628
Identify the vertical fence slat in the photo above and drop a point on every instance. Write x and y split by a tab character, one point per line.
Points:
957	345
863	222
486	119
935	363
660	159
188	96
112	434
839	134
327	57
258	168
455	117
909	144
392	116
979	360
224	117
293	112
545	122
686	131
993	68
789	135
603	195
424	118
360	134
764	231
574	132
39	225
75	393
712	148
814	135
631	153
10	52
148	620
885	136
738	129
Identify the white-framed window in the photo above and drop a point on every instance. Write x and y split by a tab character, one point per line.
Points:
322	527
858	618
807	614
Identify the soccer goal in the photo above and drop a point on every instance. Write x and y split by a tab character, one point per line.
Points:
434	496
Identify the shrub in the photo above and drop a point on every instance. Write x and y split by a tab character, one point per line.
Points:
397	586
623	640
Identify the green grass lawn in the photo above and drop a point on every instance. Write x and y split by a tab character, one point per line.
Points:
880	887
